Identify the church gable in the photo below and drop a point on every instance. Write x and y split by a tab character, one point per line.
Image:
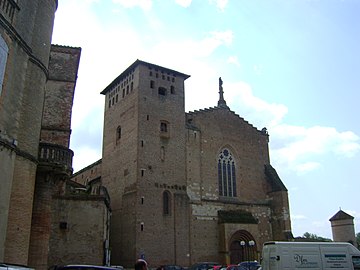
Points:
217	113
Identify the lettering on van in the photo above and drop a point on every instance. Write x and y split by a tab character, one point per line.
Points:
302	262
336	261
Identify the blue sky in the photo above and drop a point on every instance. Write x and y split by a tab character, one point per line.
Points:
292	66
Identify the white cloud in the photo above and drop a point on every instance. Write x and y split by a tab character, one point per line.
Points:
298	217
188	49
353	213
143	4
307	167
294	146
85	156
233	60
258	112
184	3
220	4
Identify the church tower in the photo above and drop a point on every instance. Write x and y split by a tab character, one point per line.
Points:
143	165
342	226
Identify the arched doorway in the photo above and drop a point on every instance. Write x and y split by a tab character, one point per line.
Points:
242	247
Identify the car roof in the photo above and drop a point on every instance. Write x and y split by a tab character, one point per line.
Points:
85	266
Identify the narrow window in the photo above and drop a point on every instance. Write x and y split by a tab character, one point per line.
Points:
118	133
142	200
127	89
123	95
172	89
142	172
152	84
147	117
109	103
163	127
116	98
142	143
132	86
142	226
3	58
166	203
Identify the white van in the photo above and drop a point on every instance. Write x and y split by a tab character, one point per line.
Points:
6	266
309	255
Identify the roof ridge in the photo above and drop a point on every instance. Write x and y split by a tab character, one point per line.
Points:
210	109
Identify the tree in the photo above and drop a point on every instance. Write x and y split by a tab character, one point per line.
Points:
315	237
358	239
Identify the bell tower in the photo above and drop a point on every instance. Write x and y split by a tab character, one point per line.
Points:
342	226
144	163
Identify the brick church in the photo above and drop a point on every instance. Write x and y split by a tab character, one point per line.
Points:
184	187
171	187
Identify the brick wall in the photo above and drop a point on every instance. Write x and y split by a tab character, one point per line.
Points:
79	230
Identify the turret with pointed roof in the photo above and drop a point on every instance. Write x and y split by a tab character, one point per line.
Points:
342	226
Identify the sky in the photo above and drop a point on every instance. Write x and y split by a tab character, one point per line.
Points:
292	66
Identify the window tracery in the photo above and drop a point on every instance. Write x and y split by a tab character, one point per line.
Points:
226	174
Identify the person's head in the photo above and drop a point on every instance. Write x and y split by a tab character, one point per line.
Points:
141	264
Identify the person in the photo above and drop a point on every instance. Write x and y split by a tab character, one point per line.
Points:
141	264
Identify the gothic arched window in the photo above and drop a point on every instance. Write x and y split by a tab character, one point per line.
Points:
226	174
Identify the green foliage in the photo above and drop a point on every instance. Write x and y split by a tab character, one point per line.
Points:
358	239
312	236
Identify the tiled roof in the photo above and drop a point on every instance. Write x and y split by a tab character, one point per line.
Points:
341	215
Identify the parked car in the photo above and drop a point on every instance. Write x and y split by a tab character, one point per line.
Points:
218	267
203	265
253	265
171	267
233	267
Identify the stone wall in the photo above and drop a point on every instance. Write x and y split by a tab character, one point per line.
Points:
27	32
80	225
59	95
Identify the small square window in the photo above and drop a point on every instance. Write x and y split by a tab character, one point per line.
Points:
63	225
